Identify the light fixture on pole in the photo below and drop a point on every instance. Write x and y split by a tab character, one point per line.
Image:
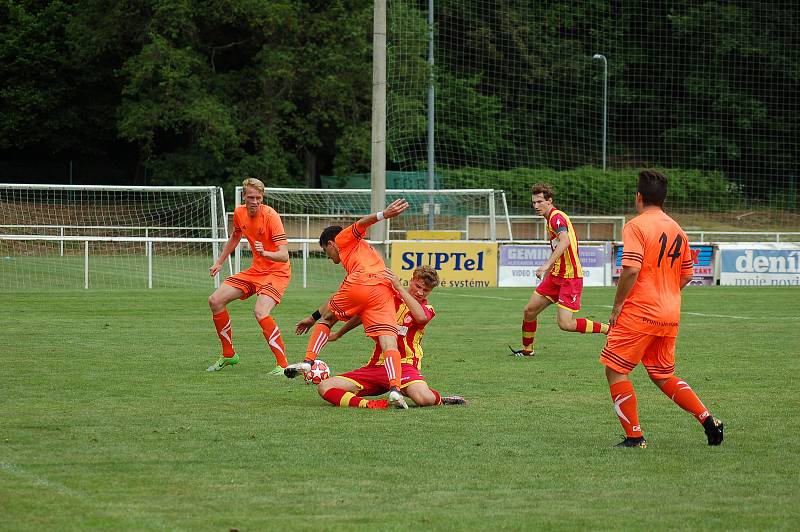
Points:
605	104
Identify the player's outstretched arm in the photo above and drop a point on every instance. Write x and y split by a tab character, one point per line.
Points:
230	245
414	306
395	208
351	324
280	255
323	313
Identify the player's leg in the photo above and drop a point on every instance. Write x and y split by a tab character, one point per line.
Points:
422	394
342	390
620	355
272	334
316	341
217	302
536	304
393	367
569	302
660	365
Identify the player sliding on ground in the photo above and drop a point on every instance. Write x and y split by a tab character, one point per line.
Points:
656	265
267	278
365	292
561	276
413	313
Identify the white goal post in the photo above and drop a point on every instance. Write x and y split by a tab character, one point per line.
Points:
73	236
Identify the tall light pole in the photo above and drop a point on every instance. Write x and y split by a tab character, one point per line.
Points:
605	104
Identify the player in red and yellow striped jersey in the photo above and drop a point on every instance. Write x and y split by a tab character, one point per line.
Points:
413	313
656	265
561	276
267	277
365	292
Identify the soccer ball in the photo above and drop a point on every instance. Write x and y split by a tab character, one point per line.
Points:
319	372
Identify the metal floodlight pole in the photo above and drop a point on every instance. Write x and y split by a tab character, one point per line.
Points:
378	173
431	117
605	105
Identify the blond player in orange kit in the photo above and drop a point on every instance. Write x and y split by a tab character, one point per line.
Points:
267	278
365	292
561	275
656	265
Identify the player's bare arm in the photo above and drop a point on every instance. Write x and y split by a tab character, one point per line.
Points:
417	312
395	208
230	245
685	279
627	278
351	324
280	255
561	247
304	325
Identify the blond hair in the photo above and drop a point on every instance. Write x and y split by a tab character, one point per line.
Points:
253	182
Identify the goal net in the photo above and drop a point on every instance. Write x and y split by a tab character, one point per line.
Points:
62	236
437	214
706	91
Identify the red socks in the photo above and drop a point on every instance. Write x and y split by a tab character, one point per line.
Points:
222	322
528	334
584	326
624	398
273	336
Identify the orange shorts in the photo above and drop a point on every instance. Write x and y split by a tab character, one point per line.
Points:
372	380
373	303
566	293
251	282
625	348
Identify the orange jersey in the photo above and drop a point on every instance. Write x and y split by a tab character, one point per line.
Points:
266	227
409	335
363	264
655	243
568	265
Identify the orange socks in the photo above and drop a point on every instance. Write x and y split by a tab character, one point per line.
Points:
273	336
222	322
394	369
585	326
319	337
624	398
528	333
680	392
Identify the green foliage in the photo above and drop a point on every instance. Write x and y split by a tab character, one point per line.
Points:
587	190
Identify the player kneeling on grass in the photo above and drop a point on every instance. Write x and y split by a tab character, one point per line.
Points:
413	314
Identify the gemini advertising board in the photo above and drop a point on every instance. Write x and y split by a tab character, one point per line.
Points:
459	263
518	264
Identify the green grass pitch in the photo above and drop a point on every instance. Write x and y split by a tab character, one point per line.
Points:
110	421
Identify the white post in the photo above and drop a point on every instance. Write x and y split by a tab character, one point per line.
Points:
86	265
492	221
431	118
61	232
378	174
214	232
508	219
305	263
149	246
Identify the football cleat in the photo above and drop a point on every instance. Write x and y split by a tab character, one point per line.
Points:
222	362
293	370
454	400
397	400
521	352
713	428
277	370
632	442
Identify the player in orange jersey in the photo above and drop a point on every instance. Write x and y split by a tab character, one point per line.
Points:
561	276
413	313
365	292
267	277
656	265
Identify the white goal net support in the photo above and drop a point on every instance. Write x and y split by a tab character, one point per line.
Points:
109	237
470	214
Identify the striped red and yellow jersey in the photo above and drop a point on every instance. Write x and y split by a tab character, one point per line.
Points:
266	226
409	335
568	265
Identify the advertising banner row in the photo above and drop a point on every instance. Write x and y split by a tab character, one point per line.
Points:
488	264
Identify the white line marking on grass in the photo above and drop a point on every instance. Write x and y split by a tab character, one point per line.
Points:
480	297
106	509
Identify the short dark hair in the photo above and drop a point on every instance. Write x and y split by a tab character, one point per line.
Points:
544	190
652	187
328	234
